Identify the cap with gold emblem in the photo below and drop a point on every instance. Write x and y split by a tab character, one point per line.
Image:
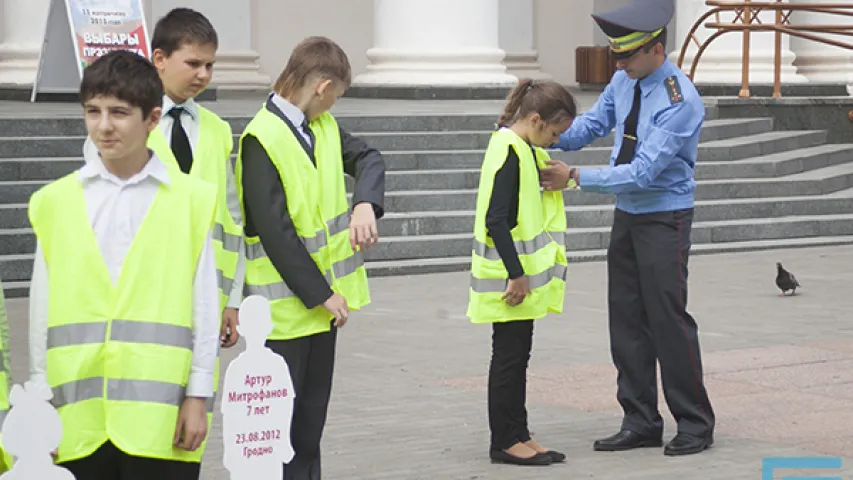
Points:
634	25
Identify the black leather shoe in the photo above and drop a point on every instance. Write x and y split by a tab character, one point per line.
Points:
540	459
625	440
557	457
686	444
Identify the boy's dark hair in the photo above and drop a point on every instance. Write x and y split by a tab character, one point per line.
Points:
126	76
314	56
183	26
546	97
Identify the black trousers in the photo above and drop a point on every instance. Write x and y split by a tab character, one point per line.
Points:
110	463
647	296
511	345
311	361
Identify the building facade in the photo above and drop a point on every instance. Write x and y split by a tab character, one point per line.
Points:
436	42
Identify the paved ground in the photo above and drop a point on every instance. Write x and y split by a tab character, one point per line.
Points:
409	401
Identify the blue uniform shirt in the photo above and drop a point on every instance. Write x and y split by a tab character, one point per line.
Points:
660	177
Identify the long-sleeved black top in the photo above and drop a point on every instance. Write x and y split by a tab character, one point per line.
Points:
266	207
502	215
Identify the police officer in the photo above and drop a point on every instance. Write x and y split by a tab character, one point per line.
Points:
657	114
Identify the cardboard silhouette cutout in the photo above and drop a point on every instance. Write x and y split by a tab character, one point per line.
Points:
32	430
257	402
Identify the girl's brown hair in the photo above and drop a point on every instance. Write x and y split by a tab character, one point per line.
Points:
546	97
314	56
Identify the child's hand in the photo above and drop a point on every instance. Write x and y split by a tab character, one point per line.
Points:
192	424
516	291
362	227
337	306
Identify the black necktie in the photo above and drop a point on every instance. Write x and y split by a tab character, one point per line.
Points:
629	139
180	142
307	130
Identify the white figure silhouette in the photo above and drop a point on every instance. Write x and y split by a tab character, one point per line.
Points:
257	402
32	430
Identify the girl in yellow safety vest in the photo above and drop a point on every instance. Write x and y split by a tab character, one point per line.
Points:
518	257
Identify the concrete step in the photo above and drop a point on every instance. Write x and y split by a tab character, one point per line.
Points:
584	245
774	165
431	223
74	126
17	238
454	245
815	182
72	146
716	159
454	264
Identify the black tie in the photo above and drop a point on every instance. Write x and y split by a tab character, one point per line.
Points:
180	142
629	139
307	130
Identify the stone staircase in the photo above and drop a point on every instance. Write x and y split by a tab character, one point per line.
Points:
757	188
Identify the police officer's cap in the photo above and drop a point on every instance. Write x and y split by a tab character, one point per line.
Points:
634	25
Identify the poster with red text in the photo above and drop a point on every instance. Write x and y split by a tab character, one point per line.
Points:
99	26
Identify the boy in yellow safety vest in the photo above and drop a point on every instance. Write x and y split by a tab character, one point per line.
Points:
303	241
124	317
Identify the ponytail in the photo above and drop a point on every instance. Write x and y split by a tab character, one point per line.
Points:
546	97
513	102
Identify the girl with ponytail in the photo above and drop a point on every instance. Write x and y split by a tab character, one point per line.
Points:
518	259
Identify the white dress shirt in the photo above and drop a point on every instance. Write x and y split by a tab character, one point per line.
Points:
293	113
116	209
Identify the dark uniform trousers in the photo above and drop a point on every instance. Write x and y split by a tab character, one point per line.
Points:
511	345
647	295
311	361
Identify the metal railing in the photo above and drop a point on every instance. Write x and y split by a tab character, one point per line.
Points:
746	20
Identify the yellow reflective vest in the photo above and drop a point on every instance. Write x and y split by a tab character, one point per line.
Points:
317	203
539	239
119	355
210	158
5	377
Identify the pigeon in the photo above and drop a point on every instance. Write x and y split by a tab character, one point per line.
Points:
785	280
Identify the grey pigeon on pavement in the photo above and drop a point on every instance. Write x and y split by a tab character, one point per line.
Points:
785	280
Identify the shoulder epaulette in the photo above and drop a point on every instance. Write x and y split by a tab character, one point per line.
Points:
673	89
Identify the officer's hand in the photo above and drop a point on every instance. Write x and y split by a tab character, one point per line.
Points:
192	424
516	290
337	306
362	227
228	334
556	176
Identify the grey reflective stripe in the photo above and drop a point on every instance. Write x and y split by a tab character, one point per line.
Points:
3	414
349	265
312	244
2	362
497	285
230	242
148	391
77	391
339	223
76	334
225	284
276	291
255	251
148	332
122	331
526	247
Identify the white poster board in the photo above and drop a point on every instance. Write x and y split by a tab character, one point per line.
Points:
31	431
78	32
257	402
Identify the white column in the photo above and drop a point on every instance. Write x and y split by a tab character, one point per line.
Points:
22	24
436	42
237	67
819	62
721	61
515	37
